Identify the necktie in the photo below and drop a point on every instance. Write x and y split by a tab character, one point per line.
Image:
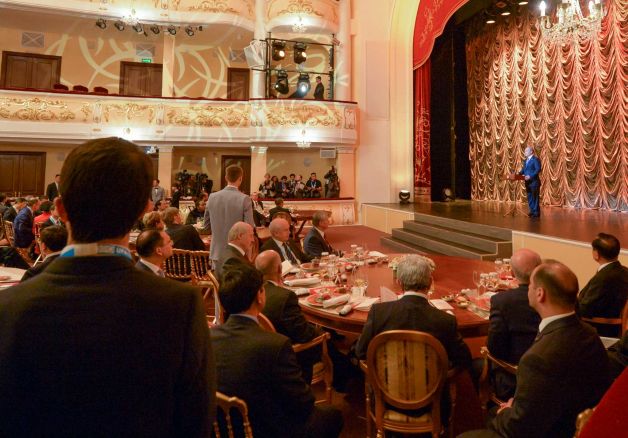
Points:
289	254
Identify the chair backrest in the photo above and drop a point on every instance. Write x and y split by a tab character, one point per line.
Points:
9	233
202	266
283	215
60	87
101	90
407	370
618	322
624	318
178	266
81	88
266	323
225	406
486	392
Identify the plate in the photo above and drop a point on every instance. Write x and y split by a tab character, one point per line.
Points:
5	277
314	297
308	267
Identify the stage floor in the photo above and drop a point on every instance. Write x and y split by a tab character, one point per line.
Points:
565	223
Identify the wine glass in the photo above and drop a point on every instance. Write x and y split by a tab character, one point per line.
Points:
360	281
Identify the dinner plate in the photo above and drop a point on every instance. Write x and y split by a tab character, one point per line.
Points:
308	267
313	298
5	277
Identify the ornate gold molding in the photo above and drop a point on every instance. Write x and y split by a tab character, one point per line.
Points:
208	116
130	110
215	6
303	115
35	109
302	7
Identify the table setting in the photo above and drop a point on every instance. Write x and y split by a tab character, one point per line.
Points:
10	276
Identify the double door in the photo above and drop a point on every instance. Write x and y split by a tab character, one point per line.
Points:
29	70
22	174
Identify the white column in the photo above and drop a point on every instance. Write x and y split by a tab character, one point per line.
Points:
258	78
258	166
164	168
343	53
167	81
345	166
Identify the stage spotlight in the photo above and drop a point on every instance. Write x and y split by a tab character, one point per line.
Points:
281	86
155	29
303	85
138	28
189	31
299	53
119	25
172	30
404	196
101	23
279	50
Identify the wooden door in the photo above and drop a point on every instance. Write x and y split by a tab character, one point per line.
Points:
240	160
140	79
238	83
29	70
22	173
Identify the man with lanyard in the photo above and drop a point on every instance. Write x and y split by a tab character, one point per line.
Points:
94	342
313	187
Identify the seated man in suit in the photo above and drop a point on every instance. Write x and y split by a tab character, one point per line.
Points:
258	210
315	242
154	247
51	241
260	367
513	324
563	373
280	241
44	215
183	236
605	294
23	224
11	212
241	239
277	208
313	187
413	312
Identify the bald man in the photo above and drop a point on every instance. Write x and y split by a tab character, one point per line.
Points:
280	242
240	241
513	324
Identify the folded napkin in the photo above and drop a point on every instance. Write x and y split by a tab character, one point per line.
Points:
441	304
308	281
287	268
366	303
376	254
302	291
387	295
336	301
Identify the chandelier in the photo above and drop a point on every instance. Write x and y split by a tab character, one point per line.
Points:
569	23
299	27
303	143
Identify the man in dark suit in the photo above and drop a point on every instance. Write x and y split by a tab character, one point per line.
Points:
315	242
154	247
79	352
319	91
278	208
54	218
281	243
513	324
51	241
11	213
313	187
241	239
23	224
605	294
413	312
52	191
258	210
563	373
183	236
531	170
260	367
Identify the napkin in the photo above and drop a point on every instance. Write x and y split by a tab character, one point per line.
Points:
336	301
366	303
387	295
287	268
376	254
302	291
308	281
441	304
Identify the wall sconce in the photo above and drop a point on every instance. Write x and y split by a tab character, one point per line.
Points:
404	196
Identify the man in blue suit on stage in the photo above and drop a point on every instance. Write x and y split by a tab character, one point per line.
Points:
531	170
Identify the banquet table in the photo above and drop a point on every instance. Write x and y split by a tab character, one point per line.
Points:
14	276
452	274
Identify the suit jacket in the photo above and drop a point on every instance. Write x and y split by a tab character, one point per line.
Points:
142	267
228	254
532	168
23	228
314	244
225	208
79	354
276	210
10	214
415	313
157	194
39	268
605	294
300	255
261	368
319	92
563	373
282	308
52	191
185	237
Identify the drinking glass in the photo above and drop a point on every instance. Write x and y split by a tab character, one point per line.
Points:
360	281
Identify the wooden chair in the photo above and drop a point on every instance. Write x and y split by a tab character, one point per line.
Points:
38	242
203	277
487	392
101	90
178	266
621	322
323	371
10	235
60	87
406	370
80	88
225	405
582	419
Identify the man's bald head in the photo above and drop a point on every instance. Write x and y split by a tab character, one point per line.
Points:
280	229
523	262
559	283
268	263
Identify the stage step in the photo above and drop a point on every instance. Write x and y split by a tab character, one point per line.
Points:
440	235
401	246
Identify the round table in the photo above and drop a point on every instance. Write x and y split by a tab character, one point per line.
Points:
451	275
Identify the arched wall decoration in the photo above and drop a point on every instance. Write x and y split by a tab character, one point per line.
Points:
314	12
569	101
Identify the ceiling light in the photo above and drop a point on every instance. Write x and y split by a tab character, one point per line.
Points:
300	56
189	31
155	29
279	50
119	25
281	86
172	30
101	23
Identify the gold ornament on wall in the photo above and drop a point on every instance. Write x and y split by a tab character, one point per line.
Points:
35	110
303	115
130	110
215	6
208	116
303	7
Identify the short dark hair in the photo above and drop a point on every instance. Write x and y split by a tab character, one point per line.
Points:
55	237
233	173
313	173
156	180
147	241
606	245
239	285
119	167
45	206
2	197
560	283
58	174
292	174
318	77
20	200
169	214
279	202
32	201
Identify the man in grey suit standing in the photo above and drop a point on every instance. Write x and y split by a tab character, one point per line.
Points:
225	208
157	193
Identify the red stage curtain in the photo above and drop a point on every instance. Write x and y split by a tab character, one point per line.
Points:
570	101
422	167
